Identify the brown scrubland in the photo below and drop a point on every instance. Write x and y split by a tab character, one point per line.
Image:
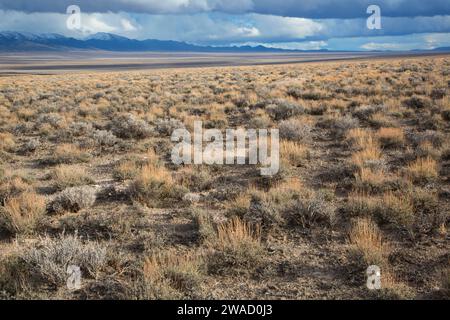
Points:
86	179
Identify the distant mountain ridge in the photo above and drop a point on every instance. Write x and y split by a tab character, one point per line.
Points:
22	41
11	41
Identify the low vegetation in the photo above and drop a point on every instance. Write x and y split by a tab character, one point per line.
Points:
86	179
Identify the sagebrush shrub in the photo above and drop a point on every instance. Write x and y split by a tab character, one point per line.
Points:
283	110
50	257
128	126
312	210
295	130
73	200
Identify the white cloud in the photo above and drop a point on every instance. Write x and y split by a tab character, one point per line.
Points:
382	46
94	23
127	25
315	9
224	29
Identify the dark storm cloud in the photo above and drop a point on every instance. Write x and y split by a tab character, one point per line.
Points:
315	9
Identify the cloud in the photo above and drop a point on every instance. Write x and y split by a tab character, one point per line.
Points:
306	45
314	9
382	46
127	25
226	29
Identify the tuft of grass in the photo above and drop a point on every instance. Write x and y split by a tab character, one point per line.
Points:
155	187
204	224
126	170
69	154
294	153
397	209
360	204
12	186
240	205
366	156
21	214
68	176
374	180
196	179
391	137
368	242
236	248
7	142
171	275
423	170
360	138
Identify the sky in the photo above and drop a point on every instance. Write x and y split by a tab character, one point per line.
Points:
289	24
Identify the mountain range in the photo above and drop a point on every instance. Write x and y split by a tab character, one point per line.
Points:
21	41
17	41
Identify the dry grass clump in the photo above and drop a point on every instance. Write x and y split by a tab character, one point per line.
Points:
69	154
171	275
397	209
12	186
266	209
204	224
73	200
360	138
394	208
375	180
155	187
126	170
236	248
68	176
21	214
7	142
360	204
196	178
371	249
391	137
239	206
380	119
368	242
260	121
367	157
429	217
293	152
423	170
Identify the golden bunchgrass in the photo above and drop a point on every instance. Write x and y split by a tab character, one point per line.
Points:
22	213
423	170
391	137
66	176
367	155
293	152
368	241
